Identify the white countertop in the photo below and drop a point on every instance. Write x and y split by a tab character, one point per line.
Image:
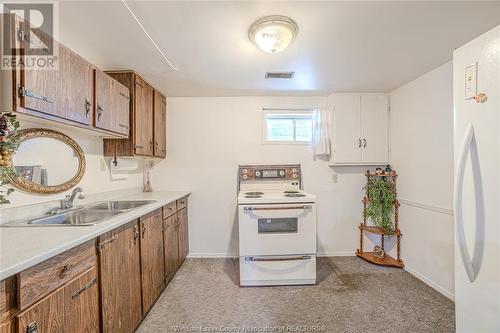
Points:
23	247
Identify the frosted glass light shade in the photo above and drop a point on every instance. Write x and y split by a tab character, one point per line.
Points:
273	34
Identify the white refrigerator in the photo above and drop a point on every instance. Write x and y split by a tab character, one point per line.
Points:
476	90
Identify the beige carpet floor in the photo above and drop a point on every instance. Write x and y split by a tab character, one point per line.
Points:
351	296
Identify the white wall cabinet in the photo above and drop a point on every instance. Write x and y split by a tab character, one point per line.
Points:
360	129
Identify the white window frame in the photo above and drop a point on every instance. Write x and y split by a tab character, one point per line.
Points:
267	112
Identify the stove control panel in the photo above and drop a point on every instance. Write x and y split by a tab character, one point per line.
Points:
269	172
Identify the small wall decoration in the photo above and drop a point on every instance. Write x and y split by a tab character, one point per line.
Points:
378	252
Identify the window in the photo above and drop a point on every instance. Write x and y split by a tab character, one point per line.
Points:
288	127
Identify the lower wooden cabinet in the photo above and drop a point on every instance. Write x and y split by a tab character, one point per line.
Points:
71	308
171	246
77	291
120	279
152	262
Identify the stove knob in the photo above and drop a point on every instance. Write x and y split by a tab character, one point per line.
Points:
282	173
294	170
244	177
257	173
294	175
244	171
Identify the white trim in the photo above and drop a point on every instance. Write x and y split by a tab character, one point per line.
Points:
426	207
430	283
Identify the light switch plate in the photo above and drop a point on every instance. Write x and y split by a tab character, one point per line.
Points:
471	81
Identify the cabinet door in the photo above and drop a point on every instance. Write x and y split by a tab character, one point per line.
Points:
346	127
72	308
183	235
82	304
112	109
160	118
39	87
171	246
45	316
120	278
143	118
152	270
75	91
374	128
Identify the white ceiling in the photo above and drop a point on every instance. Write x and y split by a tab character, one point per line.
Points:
341	46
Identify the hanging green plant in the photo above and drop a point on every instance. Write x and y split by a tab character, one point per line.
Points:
8	145
380	203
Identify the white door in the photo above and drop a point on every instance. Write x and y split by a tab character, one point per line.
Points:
374	122
477	185
346	127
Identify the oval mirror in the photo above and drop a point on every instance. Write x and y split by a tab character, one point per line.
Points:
47	161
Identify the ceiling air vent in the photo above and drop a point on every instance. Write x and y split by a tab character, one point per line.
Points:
279	75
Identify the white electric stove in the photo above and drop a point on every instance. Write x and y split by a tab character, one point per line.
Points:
277	226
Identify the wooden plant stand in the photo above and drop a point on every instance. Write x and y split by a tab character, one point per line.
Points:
363	227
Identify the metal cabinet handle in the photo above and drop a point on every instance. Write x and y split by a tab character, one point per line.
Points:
123	126
87	286
65	270
99	112
364	143
32	327
143	230
87	107
136	234
139	146
359	143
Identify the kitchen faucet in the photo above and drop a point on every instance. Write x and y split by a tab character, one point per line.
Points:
67	203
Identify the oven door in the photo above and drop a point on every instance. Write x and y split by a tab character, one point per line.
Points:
277	229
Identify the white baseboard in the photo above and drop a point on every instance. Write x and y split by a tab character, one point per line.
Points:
429	282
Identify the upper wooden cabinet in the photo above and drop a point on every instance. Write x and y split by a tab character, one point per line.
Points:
160	123
64	91
143	117
147	135
360	129
112	100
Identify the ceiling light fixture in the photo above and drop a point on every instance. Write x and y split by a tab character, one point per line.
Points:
273	34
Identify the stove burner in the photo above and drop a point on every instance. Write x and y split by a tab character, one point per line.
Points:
291	191
253	196
294	195
254	193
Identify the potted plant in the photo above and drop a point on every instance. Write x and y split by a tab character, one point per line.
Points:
380	203
8	145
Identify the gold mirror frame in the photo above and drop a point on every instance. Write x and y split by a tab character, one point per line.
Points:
29	186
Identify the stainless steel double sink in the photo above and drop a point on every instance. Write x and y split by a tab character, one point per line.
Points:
91	214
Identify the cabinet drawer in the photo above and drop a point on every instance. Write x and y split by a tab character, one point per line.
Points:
39	280
181	203
169	209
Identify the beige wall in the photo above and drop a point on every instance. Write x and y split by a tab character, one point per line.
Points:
209	137
422	153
